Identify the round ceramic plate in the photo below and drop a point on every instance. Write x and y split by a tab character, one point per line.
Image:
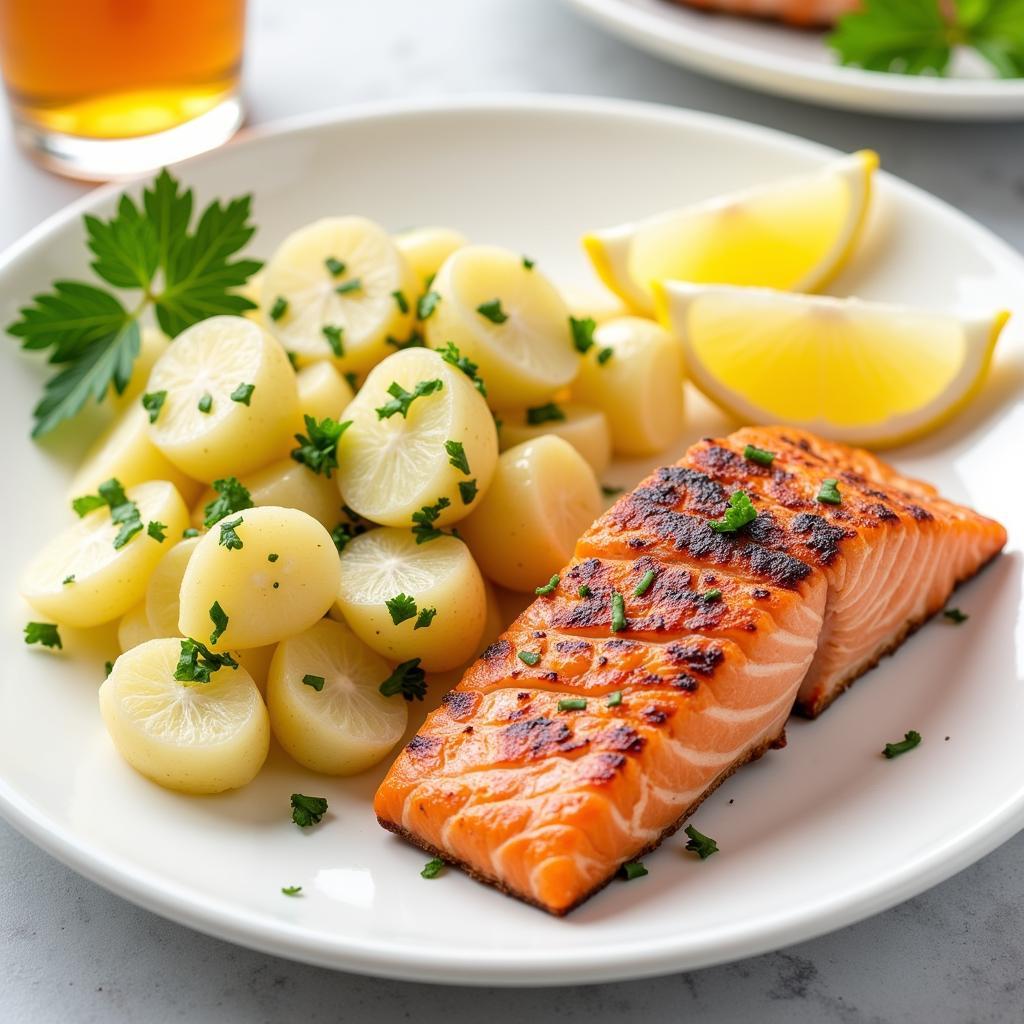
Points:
812	837
796	62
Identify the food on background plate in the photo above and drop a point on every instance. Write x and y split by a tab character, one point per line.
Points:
426	249
796	12
583	426
670	651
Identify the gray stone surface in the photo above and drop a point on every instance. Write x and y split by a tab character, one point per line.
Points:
72	952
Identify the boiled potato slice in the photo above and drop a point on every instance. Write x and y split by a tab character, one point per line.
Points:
543	496
393	466
162	592
346	725
442	617
192	737
342	275
323	393
81	579
594	302
256	661
507	318
287	484
201	428
126	453
425	249
279	582
586	429
253	291
152	345
134	628
638	385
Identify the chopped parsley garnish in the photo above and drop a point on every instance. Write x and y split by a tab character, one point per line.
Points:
609	491
181	275
401	607
740	512
400	301
712	595
572	704
408	679
157	530
425	618
291	890
293	358
618	612
584	590
307	810
451	354
279	308
352	379
604	355
45	633
231	497
197	663
426	304
123	513
633	869
549	587
346	287
492	311
220	622
549	413
614	699
228	537
335	338
910	740
829	493
582	332
529	657
153	402
335	267
699	843
341	535
457	455
318	447
528	264
955	615
68	579
206	402
423	521
243	393
432	868
645	583
273	556
467	491
402	399
189	531
108	667
761	456
317	682
415	340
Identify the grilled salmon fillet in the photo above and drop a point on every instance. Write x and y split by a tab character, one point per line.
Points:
543	774
796	12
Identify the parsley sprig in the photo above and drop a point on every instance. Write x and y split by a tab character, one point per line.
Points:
408	679
401	399
232	497
740	512
197	663
184	273
451	354
318	447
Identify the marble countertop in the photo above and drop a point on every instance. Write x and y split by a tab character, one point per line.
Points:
72	952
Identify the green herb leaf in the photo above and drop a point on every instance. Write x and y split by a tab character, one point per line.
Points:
219	620
335	338
582	333
157	530
529	657
584	590
197	663
86	503
228	537
910	740
633	869
432	868
955	615
645	583
423	521
153	402
307	810
908	36
740	512
273	556
699	843
318	448
614	699
549	413
451	354
604	355
108	667
354	285
550	586
291	890
425	618
618	612
341	535
457	455
232	497
402	399
760	456
317	682
278	309
415	340
829	493
67	580
528	264
609	490
426	304
243	393
401	607
123	513
334	266
189	531
206	402
408	679
572	704
401	301
45	633
710	596
467	491
492	311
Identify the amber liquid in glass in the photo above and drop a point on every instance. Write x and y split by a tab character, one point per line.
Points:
117	69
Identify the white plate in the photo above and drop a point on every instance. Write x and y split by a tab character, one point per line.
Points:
812	837
796	62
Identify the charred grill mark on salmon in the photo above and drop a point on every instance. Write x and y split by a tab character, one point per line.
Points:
543	779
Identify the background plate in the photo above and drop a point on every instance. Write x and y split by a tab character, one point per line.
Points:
812	837
795	62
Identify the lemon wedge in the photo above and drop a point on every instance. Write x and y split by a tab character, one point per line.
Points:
793	234
866	373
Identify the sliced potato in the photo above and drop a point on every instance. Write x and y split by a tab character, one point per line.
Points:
278	583
507	318
638	384
543	496
437	596
325	703
425	249
134	628
201	428
323	392
594	302
393	466
585	428
81	579
162	592
256	661
191	737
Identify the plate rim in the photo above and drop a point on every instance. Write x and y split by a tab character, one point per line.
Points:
820	84
659	956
